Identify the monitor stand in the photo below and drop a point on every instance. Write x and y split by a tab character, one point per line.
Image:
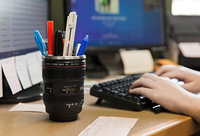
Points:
102	65
28	95
95	69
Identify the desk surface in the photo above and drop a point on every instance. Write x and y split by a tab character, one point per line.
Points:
36	124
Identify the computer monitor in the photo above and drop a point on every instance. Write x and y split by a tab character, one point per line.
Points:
117	24
18	20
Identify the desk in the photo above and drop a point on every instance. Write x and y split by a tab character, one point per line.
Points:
38	124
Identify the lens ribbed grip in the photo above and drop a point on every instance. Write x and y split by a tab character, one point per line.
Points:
49	73
63	98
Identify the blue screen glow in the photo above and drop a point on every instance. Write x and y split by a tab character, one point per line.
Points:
119	22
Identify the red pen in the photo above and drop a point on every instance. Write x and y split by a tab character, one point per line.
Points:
50	37
63	42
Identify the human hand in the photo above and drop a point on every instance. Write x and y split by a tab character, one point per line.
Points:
162	91
190	77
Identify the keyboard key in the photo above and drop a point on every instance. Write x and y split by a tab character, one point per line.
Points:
128	97
106	90
113	92
121	95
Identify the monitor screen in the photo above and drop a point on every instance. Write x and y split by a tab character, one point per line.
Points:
115	24
18	20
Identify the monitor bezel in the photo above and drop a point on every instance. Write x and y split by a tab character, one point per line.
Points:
112	49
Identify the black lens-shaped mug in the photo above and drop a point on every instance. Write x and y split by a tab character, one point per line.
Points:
63	86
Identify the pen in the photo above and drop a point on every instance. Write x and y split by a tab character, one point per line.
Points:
50	36
72	34
63	43
69	34
58	45
83	45
76	49
40	42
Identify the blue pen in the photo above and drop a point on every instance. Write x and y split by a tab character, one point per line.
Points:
40	43
83	45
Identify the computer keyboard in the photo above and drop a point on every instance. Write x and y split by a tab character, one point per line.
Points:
117	92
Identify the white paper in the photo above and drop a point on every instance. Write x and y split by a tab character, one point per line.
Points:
39	59
190	50
109	126
33	68
9	70
29	107
1	82
137	61
22	71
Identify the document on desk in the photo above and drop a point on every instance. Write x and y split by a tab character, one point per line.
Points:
10	73
33	68
29	107
22	71
109	126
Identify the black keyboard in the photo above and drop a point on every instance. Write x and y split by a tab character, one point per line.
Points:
117	92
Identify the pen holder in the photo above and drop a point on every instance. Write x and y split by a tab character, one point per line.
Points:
63	86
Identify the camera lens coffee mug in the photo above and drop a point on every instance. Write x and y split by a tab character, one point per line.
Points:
63	86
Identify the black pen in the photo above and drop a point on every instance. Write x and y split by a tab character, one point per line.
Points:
58	45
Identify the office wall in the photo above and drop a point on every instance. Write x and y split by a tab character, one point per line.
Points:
57	14
168	5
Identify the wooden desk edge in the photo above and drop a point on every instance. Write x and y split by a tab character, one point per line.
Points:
182	126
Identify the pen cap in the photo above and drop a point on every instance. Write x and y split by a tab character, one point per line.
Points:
63	86
58	43
83	45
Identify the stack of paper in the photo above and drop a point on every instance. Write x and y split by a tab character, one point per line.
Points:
24	69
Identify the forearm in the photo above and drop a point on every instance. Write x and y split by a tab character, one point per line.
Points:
192	108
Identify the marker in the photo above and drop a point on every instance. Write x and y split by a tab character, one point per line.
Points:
83	45
50	37
58	45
